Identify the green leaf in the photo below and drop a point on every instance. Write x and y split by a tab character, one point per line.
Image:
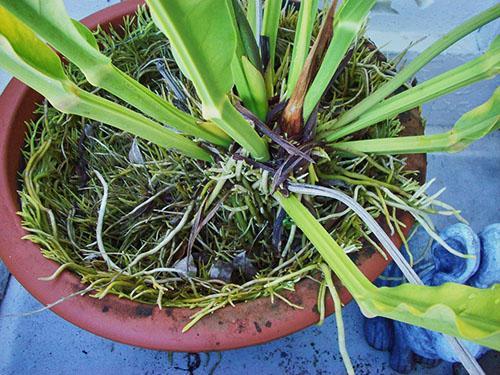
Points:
26	57
483	67
271	23
348	21
86	33
204	37
27	45
49	19
100	109
471	127
302	41
251	86
247	66
292	118
418	63
257	84
453	309
246	39
254	12
270	26
203	34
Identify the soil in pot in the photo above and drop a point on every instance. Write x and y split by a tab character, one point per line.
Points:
140	222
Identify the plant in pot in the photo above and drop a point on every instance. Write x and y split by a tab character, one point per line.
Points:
268	144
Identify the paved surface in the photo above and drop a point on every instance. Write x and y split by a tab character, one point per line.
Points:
43	343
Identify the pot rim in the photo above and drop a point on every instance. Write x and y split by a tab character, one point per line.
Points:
246	324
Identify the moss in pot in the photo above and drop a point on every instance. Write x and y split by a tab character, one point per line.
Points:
117	198
148	186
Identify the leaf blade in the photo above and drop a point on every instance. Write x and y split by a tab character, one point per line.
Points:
50	20
307	16
255	96
270	26
471	127
419	62
349	20
206	50
247	67
449	308
483	67
67	97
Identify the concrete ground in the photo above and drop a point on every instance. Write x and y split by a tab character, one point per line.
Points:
43	343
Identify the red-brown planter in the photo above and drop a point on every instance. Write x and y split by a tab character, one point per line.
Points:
133	323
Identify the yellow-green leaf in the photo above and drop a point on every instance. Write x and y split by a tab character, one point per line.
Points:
471	127
26	57
49	20
27	45
453	309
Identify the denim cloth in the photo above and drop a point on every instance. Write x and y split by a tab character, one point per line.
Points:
435	265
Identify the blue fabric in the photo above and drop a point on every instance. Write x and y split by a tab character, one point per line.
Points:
436	265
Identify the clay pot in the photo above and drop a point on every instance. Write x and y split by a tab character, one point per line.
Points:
250	323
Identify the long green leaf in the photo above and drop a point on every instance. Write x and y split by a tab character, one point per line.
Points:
471	127
453	309
202	32
247	43
348	21
26	57
418	63
270	26
48	19
254	17
247	67
483	67
100	109
302	41
292	118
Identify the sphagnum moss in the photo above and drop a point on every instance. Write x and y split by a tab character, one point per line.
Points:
140	222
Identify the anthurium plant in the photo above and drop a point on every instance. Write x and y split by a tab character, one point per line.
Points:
227	49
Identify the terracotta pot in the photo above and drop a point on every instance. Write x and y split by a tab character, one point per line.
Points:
147	326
